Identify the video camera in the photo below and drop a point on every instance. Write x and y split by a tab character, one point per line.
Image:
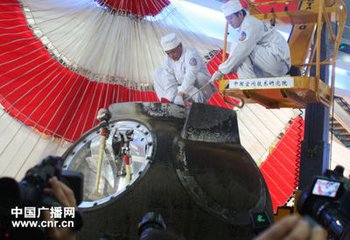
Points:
29	192
327	201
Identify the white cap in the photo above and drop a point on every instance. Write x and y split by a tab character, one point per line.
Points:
170	42
231	7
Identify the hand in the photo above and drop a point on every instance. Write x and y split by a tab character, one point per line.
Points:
216	76
292	227
179	100
65	196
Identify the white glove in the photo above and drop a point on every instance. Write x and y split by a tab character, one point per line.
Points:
216	76
179	100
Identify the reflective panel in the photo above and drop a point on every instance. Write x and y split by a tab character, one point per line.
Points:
111	158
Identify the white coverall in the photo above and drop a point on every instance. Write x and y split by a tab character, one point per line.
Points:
188	74
259	51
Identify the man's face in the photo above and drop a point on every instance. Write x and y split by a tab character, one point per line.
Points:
235	19
175	53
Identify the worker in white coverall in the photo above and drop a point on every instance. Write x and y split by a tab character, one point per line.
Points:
183	74
259	50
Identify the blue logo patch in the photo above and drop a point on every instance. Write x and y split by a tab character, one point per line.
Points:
193	61
243	36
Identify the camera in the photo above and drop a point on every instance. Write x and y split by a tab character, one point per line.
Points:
29	193
327	201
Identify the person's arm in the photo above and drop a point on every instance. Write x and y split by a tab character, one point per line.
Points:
251	33
170	83
193	65
292	227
